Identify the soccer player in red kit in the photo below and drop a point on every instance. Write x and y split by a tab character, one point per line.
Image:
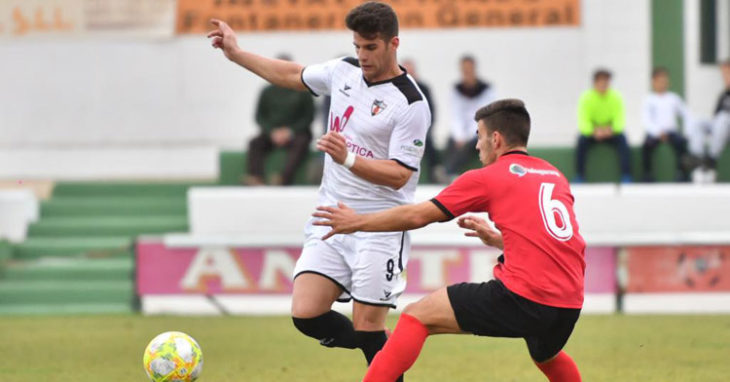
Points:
537	293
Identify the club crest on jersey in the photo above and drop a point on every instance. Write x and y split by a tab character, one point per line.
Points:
517	170
377	107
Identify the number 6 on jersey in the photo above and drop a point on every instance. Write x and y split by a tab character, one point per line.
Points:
555	215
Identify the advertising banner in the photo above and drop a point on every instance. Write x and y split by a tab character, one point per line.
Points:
59	18
21	18
664	269
278	15
268	271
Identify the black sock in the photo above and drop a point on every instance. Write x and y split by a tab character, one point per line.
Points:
370	343
332	329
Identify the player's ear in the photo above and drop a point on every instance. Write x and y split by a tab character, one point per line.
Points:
394	42
497	139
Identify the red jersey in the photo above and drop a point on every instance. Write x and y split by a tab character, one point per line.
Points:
530	202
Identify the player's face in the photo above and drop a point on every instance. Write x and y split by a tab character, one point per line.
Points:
376	56
485	144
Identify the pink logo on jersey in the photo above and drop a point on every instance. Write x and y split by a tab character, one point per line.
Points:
359	150
337	124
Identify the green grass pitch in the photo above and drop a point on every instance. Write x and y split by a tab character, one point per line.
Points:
244	349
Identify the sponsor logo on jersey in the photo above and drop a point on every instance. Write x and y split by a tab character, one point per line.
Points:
338	123
411	150
378	106
522	171
417	142
517	170
359	150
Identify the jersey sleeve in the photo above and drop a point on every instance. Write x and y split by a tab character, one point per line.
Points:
318	78
408	140
465	194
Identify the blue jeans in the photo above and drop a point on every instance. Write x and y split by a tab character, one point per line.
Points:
618	141
678	143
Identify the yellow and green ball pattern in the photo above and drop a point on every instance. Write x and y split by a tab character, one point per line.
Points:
173	357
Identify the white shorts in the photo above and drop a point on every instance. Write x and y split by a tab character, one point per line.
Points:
368	266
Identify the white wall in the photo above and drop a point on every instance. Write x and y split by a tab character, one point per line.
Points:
703	82
180	92
608	215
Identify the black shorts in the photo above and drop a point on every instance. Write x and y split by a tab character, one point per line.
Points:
490	309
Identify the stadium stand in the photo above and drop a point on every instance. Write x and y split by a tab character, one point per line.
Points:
602	164
78	257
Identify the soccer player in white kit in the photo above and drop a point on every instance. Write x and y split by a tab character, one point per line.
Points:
377	130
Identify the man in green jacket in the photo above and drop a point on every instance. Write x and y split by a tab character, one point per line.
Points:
602	118
285	117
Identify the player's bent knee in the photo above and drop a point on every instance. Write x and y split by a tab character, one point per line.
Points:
410	309
417	310
308	309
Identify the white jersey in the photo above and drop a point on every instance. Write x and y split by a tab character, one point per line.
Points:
661	111
381	120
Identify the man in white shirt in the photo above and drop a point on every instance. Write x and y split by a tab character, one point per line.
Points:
660	114
469	95
377	132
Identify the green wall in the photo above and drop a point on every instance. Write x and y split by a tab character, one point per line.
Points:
667	39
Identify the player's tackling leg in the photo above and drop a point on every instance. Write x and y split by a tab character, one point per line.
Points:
435	315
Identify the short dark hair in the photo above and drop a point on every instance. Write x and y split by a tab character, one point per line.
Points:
373	20
601	74
658	71
468	58
509	117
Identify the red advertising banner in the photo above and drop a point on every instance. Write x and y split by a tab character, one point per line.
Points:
678	269
220	270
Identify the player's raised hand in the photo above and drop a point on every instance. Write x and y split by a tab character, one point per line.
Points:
342	219
334	144
478	227
224	38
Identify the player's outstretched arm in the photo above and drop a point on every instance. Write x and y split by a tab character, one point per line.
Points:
378	171
343	219
478	227
278	72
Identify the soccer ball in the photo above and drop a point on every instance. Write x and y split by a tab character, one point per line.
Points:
173	357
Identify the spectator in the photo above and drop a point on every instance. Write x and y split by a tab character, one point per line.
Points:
430	155
602	118
661	110
469	95
284	117
717	129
